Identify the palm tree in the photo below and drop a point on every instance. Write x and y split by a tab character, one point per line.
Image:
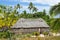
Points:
30	7
14	15
55	24
17	6
24	14
55	10
44	12
35	9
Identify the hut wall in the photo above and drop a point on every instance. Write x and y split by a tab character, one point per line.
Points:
24	30
44	29
29	30
16	30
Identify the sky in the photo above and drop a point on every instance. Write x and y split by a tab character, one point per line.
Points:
39	4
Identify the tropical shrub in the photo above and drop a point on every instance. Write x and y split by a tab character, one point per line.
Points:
28	35
36	33
5	34
45	33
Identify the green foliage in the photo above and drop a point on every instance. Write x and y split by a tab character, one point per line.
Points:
32	8
55	10
9	16
5	34
28	35
36	33
55	24
45	33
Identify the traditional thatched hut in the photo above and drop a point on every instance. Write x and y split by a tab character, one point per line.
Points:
30	25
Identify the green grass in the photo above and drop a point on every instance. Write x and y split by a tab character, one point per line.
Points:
28	37
40	38
36	38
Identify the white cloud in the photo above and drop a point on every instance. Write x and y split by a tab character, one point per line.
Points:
50	2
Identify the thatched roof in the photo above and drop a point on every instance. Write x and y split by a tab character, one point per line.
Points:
27	23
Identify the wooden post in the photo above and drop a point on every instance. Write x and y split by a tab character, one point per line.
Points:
39	30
